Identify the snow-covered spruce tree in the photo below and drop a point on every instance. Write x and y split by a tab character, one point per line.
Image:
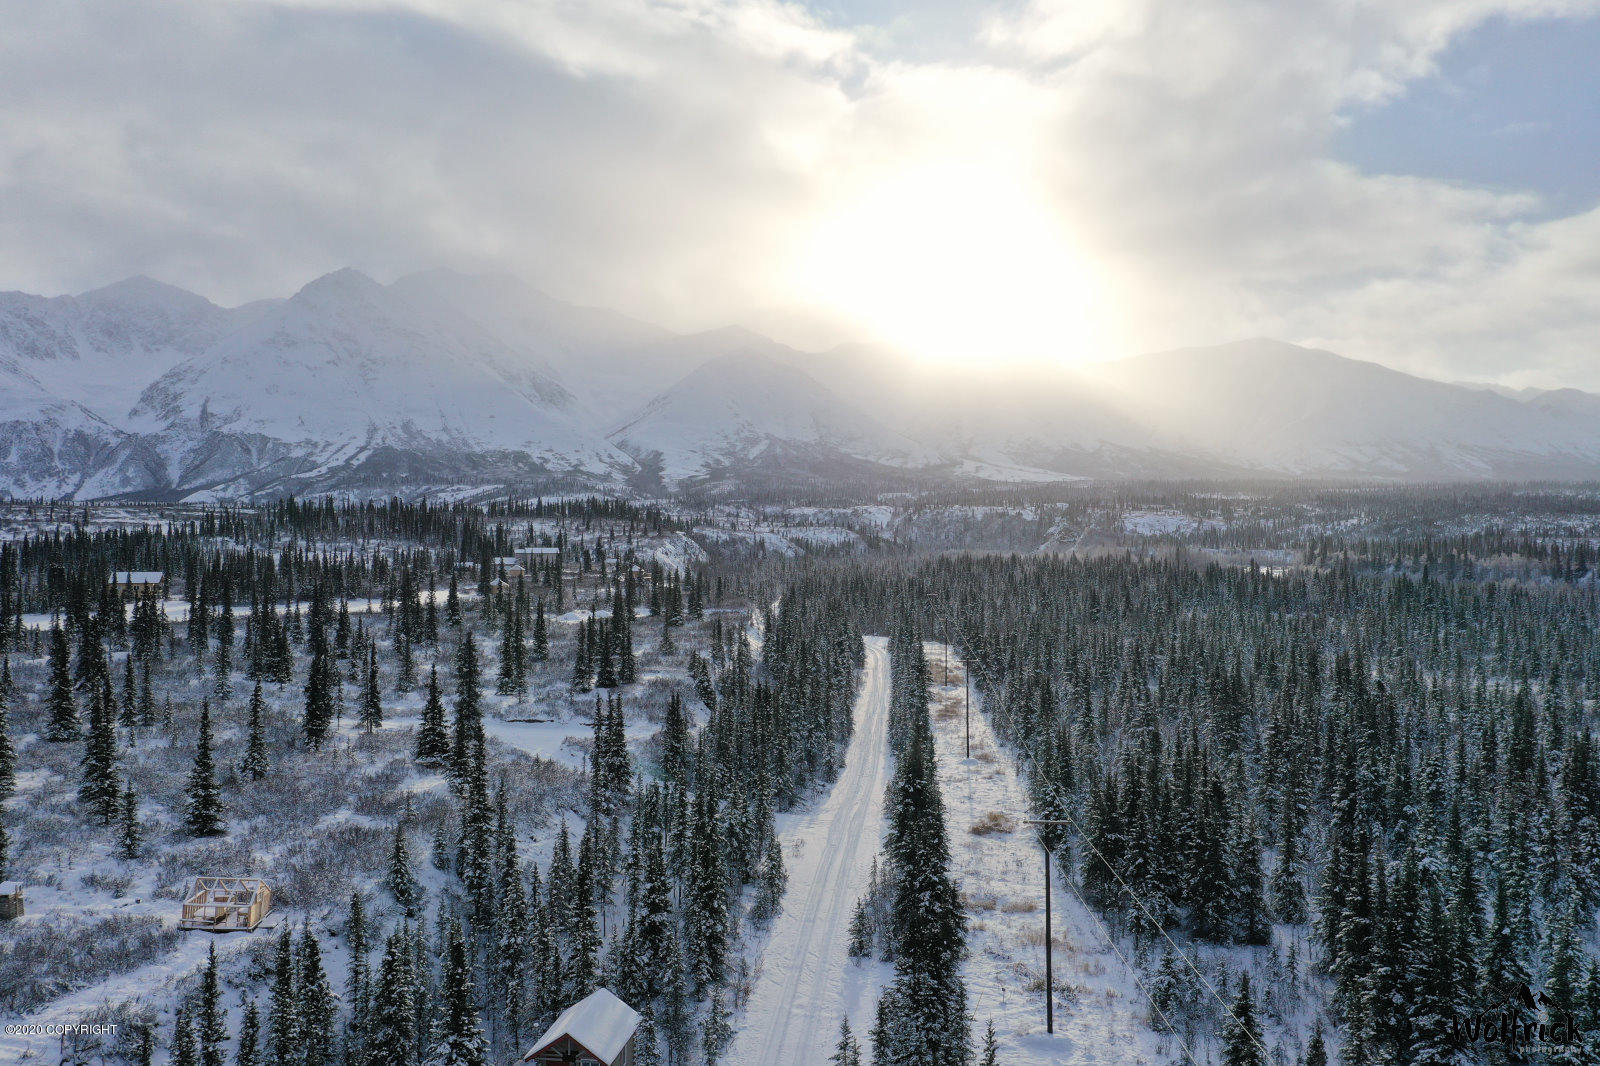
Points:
433	739
321	692
256	761
184	1052
130	834
101	790
392	1040
461	1041
706	921
847	1052
540	652
285	1031
925	1021
213	1026
1241	1038
202	815
646	1041
400	880
991	1047
358	981
716	1032
63	704
371	717
315	1008
248	1050
8	750
1316	1050
5	847
467	737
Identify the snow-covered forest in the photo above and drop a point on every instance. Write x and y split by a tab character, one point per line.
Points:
1319	767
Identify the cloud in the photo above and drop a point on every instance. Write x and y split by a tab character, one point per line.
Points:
691	160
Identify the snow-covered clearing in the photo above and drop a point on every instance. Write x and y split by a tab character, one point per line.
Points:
1100	1013
807	981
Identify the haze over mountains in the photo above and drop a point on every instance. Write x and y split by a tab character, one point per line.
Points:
444	379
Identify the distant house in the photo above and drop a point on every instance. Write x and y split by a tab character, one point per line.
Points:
596	1031
134	582
531	557
225	904
508	568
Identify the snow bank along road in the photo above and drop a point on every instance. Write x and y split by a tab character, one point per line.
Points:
805	985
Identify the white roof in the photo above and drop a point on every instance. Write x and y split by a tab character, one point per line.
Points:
11	888
601	1022
539	551
137	577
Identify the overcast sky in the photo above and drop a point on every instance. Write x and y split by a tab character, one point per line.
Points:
1412	181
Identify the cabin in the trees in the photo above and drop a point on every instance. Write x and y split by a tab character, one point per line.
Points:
508	568
10	900
135	582
530	557
225	904
596	1031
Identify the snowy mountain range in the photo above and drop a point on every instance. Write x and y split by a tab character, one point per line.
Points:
446	379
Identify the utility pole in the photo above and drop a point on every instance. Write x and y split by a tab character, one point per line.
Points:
1049	976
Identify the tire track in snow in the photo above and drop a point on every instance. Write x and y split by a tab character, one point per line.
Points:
794	1010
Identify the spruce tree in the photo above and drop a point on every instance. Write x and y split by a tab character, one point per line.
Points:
321	692
256	761
314	1003
392	1040
8	750
248	1052
213	1028
202	799
541	636
1316	1051
371	698
468	735
461	1041
401	882
183	1046
433	739
991	1047
101	790
717	1033
1241	1037
286	1024
847	1052
130	835
63	721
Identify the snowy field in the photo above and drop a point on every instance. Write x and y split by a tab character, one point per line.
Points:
1100	1013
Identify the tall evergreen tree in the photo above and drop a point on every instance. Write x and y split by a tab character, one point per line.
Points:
101	790
202	798
63	720
433	739
1241	1038
461	1041
256	761
248	1050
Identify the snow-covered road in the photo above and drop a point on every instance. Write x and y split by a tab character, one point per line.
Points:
807	981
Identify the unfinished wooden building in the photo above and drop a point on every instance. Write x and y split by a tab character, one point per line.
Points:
225	904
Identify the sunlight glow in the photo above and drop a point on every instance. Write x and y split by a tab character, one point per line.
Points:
956	263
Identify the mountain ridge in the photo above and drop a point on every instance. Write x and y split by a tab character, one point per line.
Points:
444	378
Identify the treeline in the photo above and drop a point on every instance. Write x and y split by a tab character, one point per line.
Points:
1402	770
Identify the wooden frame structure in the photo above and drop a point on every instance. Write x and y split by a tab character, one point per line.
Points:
225	904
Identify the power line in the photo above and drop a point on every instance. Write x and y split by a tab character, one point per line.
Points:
1154	922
